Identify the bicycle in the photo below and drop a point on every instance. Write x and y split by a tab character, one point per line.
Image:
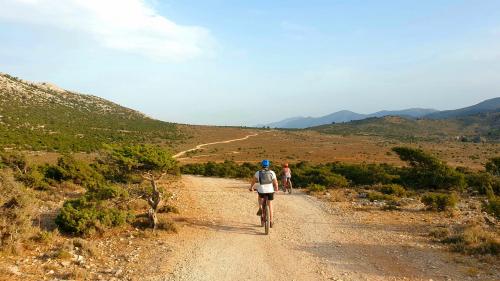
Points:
265	218
288	186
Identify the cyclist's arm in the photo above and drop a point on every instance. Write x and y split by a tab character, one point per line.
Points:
252	184
275	184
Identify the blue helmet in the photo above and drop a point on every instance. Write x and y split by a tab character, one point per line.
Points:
265	163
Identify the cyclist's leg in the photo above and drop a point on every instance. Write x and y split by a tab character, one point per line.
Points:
270	202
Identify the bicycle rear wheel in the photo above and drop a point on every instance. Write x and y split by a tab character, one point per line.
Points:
267	218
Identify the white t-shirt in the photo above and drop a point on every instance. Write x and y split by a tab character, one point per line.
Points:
265	188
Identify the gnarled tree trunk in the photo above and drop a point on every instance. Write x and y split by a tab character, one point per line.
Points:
154	200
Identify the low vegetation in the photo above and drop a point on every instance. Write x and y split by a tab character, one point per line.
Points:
106	187
471	239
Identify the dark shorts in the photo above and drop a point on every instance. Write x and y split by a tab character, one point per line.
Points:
270	196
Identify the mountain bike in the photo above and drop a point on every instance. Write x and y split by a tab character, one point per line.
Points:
265	218
288	186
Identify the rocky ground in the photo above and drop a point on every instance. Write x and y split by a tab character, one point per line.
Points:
220	238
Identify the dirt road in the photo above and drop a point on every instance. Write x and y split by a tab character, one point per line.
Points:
311	240
212	143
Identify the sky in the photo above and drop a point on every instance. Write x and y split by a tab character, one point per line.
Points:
223	62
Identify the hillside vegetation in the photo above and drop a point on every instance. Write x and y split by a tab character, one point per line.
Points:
44	117
485	125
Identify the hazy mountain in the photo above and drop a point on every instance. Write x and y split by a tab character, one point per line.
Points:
42	116
485	106
345	116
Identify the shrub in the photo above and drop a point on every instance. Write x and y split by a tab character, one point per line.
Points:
16	212
167	226
14	160
439	201
426	171
493	166
366	174
473	240
482	182
33	179
393	189
316	188
85	216
168	209
106	193
377	196
492	206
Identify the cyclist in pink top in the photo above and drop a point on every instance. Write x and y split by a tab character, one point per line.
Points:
286	175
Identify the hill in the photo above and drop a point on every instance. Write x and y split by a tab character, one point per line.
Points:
485	106
345	116
41	116
484	125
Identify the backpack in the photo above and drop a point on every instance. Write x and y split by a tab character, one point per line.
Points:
265	177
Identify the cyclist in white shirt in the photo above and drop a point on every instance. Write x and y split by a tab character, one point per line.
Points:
268	184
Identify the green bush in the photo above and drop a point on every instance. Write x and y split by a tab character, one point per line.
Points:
316	188
14	160
493	166
492	206
426	171
393	189
83	217
377	196
481	182
439	201
33	179
366	174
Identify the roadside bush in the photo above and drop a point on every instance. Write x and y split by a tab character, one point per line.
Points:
92	212
377	196
492	206
473	240
16	213
83	217
393	189
439	201
316	188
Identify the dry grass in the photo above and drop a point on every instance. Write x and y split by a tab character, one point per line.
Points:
469	239
294	146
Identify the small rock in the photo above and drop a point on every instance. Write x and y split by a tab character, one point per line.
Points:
14	270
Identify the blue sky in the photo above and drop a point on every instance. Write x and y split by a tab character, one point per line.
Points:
250	62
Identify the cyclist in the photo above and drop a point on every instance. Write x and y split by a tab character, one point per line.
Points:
268	184
286	176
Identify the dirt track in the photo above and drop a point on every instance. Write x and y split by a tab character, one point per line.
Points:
222	240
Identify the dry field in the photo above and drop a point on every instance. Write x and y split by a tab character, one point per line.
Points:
294	146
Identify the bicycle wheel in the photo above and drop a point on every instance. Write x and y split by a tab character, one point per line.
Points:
268	219
290	187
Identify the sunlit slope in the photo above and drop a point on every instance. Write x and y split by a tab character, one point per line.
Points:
45	117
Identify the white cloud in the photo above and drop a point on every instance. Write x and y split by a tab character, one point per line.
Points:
128	25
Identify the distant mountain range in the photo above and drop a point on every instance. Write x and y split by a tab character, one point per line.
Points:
346	116
412	113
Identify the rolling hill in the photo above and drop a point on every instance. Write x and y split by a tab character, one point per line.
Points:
345	116
484	106
479	126
41	116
